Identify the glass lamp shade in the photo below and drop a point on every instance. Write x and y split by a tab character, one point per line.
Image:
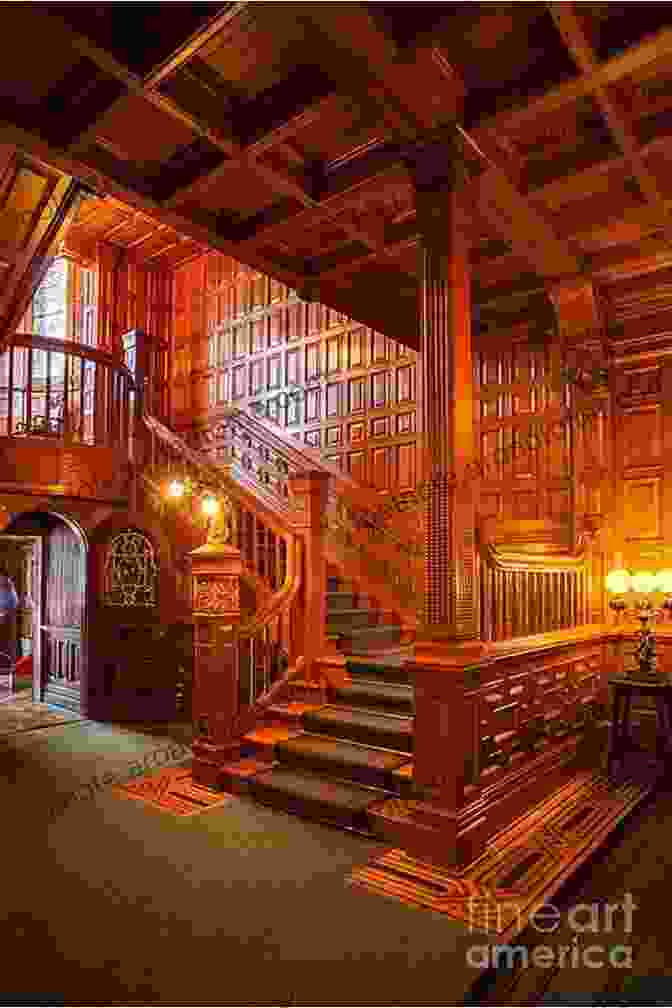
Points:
664	581
618	581
644	582
210	505
175	488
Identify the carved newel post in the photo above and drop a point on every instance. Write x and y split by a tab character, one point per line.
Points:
216	569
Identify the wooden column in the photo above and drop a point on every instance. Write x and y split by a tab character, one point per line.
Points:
308	494
449	642
451	595
215	579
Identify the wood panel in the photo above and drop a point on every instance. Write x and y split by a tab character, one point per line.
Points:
243	339
525	451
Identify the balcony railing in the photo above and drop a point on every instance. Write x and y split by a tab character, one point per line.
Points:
55	389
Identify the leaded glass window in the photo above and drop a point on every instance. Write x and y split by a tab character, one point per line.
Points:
131	571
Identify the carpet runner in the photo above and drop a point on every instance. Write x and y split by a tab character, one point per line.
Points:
394	697
521	867
364	726
332	762
346	760
339	802
172	790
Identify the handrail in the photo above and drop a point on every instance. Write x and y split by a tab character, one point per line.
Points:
267	646
259	635
386	549
73	348
70	393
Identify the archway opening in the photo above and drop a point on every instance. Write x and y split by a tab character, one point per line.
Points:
46	554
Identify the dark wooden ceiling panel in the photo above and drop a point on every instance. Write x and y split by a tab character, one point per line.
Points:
143	133
139	35
260	49
620	25
235	191
280	134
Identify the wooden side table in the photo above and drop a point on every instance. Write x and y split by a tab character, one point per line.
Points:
624	689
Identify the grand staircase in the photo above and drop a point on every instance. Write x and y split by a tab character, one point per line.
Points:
333	756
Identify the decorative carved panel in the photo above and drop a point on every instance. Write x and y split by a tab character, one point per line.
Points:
131	571
216	593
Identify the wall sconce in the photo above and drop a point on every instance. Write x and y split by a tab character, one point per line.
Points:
176	488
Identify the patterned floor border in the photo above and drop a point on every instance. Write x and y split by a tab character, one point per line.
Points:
173	790
521	867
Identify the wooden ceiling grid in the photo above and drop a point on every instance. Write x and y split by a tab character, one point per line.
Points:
280	134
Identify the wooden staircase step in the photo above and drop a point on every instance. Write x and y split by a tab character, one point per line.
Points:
390	731
236	776
346	620
290	713
388	670
372	638
340	803
264	739
342	759
395	697
340	600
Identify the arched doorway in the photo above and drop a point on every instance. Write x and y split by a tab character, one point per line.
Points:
58	601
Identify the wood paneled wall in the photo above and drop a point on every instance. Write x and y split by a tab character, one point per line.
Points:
518	387
243	339
130	297
601	458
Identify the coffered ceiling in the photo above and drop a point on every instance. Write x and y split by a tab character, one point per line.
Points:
280	134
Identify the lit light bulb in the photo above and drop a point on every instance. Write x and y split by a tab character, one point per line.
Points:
176	488
210	505
618	581
643	582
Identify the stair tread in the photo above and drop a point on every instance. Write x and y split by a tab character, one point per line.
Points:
382	629
343	751
369	727
361	715
326	790
384	670
395	692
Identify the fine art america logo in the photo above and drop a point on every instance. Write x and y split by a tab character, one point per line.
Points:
583	927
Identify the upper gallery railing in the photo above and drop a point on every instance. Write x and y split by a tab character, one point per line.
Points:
56	389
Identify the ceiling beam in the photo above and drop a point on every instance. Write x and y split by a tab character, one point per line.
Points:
204	231
630	62
569	24
512	216
230	13
222	137
285	182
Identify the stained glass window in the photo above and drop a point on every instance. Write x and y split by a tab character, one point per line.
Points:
131	571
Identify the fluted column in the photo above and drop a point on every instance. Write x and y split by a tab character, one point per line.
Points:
451	589
448	647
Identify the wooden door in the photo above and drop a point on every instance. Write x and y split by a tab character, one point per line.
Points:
64	585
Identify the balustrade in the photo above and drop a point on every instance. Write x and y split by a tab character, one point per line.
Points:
54	388
378	538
